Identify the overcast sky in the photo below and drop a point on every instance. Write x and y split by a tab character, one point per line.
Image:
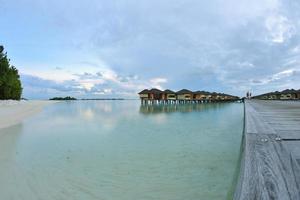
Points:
101	48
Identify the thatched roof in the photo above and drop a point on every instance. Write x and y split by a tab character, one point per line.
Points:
202	92
169	92
144	92
287	91
184	91
155	91
152	91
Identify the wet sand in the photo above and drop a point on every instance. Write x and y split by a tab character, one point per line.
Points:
14	112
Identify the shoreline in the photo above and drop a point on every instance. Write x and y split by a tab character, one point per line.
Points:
14	112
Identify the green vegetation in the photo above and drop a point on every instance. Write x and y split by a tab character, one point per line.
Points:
10	84
63	98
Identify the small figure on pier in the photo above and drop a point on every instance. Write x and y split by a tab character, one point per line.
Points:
248	95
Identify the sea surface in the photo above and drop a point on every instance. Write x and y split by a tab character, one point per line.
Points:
121	150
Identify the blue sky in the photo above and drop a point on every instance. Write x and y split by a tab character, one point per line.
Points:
99	48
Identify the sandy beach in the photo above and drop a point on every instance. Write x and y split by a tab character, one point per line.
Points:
14	112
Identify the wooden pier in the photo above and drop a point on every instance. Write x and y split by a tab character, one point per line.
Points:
270	157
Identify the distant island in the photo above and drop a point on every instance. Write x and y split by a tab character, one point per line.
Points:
63	98
68	98
100	99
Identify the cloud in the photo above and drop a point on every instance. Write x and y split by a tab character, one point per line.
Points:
280	28
120	47
157	82
88	85
284	74
39	88
87	75
280	76
48	88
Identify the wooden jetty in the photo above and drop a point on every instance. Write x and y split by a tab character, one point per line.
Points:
270	157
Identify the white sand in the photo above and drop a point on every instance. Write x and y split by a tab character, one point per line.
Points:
14	112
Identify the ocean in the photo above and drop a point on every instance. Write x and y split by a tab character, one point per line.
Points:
122	150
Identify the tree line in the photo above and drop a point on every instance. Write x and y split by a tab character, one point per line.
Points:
10	84
63	98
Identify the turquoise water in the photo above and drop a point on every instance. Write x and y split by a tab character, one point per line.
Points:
120	150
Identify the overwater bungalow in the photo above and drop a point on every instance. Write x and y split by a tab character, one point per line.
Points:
223	96
155	94
201	95
274	95
270	96
226	97
298	94
289	94
144	94
215	96
151	95
208	96
169	95
184	94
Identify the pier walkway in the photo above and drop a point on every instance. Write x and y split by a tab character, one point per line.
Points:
270	157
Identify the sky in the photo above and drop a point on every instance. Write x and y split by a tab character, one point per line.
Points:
115	48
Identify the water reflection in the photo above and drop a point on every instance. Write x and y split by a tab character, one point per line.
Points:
93	114
183	108
114	150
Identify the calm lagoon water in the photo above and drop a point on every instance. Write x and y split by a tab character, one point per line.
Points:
120	150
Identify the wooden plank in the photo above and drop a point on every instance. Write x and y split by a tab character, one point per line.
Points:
288	135
255	123
270	168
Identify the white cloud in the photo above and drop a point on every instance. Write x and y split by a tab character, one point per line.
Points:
157	82
276	77
296	49
284	74
280	28
132	45
105	84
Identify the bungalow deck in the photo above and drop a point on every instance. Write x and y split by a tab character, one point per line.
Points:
270	157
